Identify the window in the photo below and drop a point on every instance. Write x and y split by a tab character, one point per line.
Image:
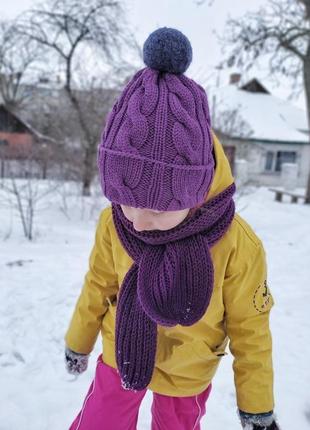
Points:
284	157
269	161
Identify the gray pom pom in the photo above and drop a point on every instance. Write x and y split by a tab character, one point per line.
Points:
167	50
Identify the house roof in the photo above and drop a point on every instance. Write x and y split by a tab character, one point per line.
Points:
23	126
254	86
268	117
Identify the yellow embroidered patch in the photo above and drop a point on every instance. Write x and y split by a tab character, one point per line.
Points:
262	299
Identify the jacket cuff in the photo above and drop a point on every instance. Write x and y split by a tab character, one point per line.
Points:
264	419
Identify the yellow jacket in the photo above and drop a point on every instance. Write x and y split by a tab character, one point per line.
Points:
187	357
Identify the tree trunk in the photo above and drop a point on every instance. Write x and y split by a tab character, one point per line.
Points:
44	169
307	92
2	167
88	172
307	6
90	150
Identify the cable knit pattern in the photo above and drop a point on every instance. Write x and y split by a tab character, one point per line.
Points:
156	149
169	283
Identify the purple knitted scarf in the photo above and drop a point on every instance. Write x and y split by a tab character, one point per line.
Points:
169	283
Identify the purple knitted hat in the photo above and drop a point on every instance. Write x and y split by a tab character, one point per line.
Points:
156	148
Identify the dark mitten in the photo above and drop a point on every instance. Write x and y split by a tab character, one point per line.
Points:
265	421
273	426
75	363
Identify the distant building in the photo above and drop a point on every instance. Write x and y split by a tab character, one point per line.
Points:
264	130
15	136
40	141
16	141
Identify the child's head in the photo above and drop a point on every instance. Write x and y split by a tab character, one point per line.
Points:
156	149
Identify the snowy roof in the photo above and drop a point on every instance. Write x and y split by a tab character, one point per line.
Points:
268	117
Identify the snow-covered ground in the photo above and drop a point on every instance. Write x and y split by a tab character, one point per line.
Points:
40	282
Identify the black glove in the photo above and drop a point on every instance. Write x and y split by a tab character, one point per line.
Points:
265	421
75	363
273	426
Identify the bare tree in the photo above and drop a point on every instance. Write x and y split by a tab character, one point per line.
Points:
54	116
24	195
17	59
231	123
70	30
281	29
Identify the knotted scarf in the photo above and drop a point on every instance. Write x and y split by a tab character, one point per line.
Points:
170	282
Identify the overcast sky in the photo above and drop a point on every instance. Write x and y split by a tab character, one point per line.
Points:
198	23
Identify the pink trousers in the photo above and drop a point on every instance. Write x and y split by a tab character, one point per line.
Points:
108	406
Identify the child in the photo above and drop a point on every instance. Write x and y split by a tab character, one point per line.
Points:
174	272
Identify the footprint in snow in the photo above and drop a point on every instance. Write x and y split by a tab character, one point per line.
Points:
18	263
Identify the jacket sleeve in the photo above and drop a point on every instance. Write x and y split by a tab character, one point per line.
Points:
100	282
248	301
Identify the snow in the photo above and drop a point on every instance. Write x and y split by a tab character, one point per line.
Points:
268	117
40	282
